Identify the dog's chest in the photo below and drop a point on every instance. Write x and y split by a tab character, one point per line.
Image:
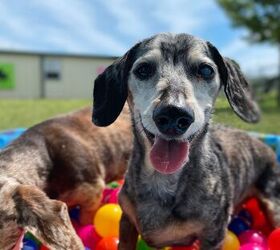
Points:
159	187
155	208
156	198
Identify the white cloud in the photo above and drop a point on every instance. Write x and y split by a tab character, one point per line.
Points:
68	26
182	15
72	26
8	44
129	20
254	59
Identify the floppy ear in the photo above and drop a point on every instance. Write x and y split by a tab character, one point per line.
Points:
110	89
236	87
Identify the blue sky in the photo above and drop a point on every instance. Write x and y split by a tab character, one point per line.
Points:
111	27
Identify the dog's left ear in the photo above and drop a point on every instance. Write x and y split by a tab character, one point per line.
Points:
110	89
236	87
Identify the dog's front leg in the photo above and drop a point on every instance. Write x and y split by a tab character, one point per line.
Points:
128	234
213	240
214	233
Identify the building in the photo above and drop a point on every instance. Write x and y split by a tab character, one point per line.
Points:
49	75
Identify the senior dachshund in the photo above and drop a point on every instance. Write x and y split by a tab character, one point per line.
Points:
66	158
185	175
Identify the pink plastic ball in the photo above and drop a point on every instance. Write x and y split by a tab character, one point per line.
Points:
114	196
253	236
106	195
252	246
88	236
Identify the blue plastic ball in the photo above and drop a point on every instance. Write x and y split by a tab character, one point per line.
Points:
238	225
29	244
245	215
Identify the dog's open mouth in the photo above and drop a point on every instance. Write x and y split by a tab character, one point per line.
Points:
167	156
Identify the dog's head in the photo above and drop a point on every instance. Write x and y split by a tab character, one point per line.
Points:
171	83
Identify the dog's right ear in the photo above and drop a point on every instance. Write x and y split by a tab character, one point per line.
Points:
110	89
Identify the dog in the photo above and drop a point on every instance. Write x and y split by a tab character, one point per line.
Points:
185	174
62	161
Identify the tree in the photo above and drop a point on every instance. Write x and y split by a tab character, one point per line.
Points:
261	17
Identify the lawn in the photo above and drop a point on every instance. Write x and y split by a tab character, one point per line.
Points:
270	118
24	113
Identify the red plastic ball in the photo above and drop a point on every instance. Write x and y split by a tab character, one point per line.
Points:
108	243
44	248
259	220
274	240
121	182
252	205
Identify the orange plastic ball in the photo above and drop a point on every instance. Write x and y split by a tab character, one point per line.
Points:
231	242
108	243
107	220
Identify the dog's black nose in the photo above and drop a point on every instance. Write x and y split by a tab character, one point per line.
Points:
172	120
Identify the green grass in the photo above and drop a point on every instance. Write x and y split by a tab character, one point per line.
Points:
25	113
270	118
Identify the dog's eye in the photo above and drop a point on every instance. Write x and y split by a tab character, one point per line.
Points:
205	71
144	71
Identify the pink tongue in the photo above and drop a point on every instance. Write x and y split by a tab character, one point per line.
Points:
169	156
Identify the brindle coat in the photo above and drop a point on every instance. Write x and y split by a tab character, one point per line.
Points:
68	159
224	164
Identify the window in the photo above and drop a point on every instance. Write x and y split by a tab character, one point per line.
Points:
52	69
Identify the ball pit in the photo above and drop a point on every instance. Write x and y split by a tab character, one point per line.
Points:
248	230
250	223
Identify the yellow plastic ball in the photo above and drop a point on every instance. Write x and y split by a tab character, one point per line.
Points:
231	242
107	220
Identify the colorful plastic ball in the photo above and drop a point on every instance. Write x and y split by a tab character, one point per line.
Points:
29	244
31	237
253	236
88	236
246	216
274	240
231	241
44	248
108	243
106	195
107	220
113	184
238	225
142	245
114	196
252	246
252	205
74	213
121	182
259	220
